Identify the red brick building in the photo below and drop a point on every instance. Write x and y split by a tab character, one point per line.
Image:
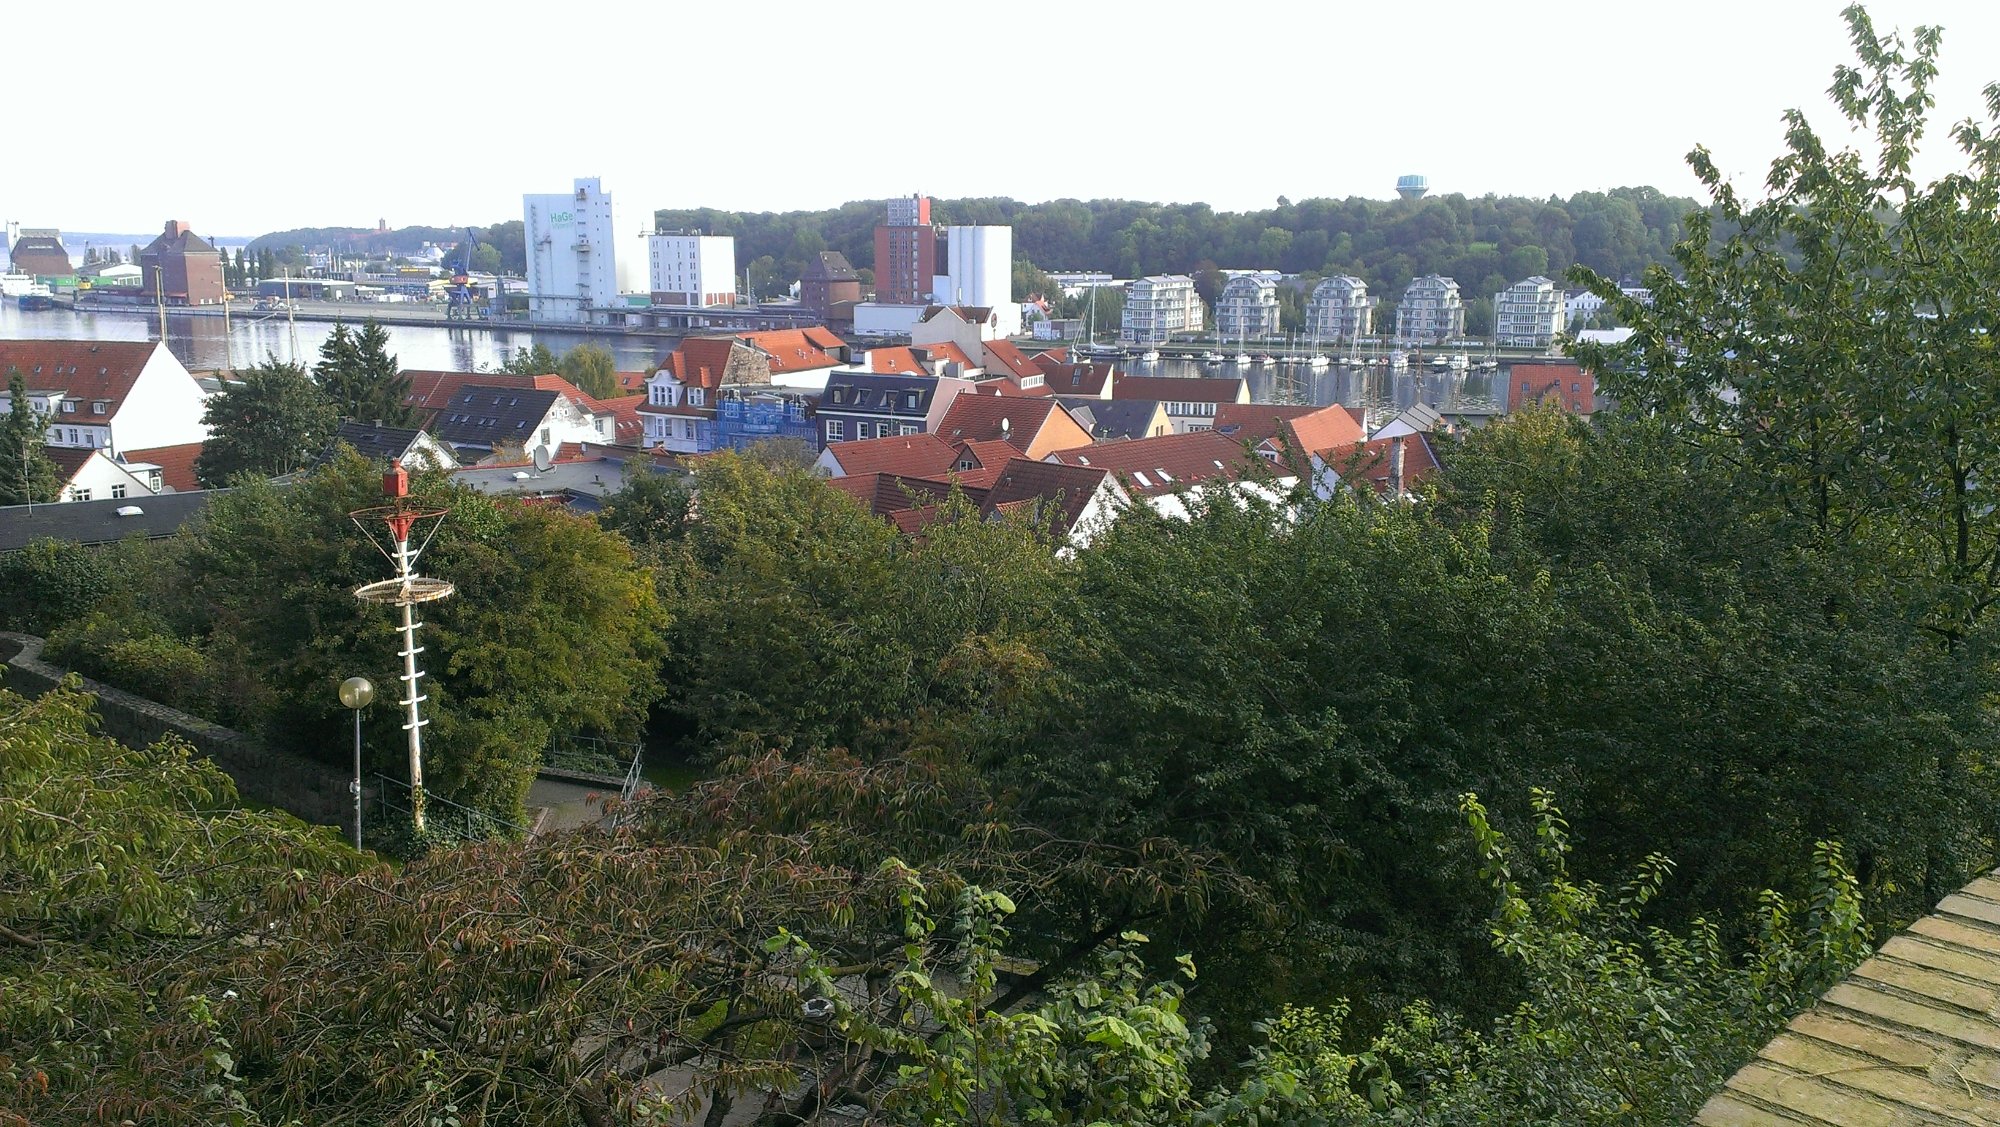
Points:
181	267
1564	385
906	253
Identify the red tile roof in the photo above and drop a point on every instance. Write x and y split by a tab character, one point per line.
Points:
68	459
895	361
1081	378
1374	461
176	464
1306	430
986	454
1567	387
633	381
824	337
911	455
701	361
1150	466
1005	417
83	370
791	350
947	351
627	426
1050	492
1178	389
1006	356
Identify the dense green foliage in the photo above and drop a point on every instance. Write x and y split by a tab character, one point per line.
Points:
1486	242
114	864
25	474
269	420
364	382
592	368
979	812
248	618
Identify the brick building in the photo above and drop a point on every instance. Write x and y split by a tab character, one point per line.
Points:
180	268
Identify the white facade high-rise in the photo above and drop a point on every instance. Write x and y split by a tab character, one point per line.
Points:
575	272
690	268
980	272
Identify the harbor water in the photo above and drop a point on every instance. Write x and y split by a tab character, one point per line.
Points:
203	344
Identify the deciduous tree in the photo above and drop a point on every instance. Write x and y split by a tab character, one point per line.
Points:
271	420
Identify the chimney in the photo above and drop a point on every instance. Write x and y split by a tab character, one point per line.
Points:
176	228
1396	466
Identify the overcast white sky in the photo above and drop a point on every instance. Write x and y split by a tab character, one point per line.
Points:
245	118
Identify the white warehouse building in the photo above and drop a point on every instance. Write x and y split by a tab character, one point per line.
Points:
690	268
574	269
979	271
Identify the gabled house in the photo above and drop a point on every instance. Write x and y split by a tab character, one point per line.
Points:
114	396
1191	403
1077	378
910	455
1417	418
798	358
90	475
167	469
1035	427
408	447
1392	467
1005	361
968	326
1566	386
857	405
507	423
1070	504
1119	418
1283	434
431	392
1160	471
679	411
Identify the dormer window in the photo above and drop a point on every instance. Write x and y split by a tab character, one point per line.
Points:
71	406
100	407
694	397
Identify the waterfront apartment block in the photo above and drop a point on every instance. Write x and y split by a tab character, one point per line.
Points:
1529	313
1431	311
1159	306
690	268
1340	309
1248	307
573	270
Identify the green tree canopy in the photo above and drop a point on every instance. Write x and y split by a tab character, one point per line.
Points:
593	370
533	361
271	420
25	474
363	381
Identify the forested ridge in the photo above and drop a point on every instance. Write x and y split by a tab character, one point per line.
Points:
1545	798
1485	242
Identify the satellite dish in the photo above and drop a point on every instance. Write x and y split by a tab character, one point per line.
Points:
542	460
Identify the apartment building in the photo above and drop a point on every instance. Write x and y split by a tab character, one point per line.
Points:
1431	311
1529	314
1340	309
1157	307
1248	307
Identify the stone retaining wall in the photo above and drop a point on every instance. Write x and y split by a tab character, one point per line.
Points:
305	787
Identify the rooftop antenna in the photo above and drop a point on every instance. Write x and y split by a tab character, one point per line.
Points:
543	463
404	517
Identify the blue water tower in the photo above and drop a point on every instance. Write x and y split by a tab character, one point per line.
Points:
1412	187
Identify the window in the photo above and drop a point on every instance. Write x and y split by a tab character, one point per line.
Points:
545	436
79	494
100	407
835	429
910	401
118	490
72	436
694	397
153	480
909	428
70	406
